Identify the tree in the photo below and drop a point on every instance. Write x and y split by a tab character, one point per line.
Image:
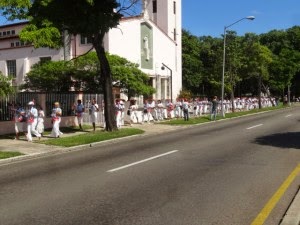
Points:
192	73
91	18
81	73
129	76
48	76
233	63
211	52
257	63
5	86
284	68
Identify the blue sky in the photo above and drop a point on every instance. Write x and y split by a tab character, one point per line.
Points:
208	17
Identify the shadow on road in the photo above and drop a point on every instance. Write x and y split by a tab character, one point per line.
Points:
282	140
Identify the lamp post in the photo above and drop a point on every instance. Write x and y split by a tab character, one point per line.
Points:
224	51
171	79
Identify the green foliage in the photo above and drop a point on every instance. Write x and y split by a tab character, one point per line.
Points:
49	76
5	86
82	74
284	68
248	58
192	67
15	9
129	76
44	36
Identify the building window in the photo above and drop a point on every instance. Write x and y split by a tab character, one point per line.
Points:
8	32
45	59
17	44
174	7
11	68
154	3
4	33
85	40
0	33
13	32
12	44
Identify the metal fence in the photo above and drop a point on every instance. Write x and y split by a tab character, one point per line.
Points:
9	104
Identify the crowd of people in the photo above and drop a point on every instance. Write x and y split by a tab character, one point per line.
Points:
31	120
185	108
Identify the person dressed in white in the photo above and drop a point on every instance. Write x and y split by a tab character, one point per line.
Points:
147	111
32	115
134	117
40	121
122	103
94	109
118	109
170	109
160	110
56	118
178	106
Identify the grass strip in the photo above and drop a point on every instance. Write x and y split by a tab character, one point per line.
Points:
206	118
5	155
91	137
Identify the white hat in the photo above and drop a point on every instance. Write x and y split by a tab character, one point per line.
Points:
31	103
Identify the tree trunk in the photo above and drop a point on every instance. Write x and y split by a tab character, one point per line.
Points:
106	81
232	99
259	92
268	94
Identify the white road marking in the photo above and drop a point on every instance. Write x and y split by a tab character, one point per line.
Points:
288	115
142	161
258	125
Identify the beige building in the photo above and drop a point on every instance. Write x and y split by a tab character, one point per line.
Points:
152	39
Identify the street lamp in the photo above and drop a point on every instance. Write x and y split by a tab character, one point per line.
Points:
224	50
171	79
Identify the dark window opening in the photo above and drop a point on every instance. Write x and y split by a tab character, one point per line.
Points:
174	7
154	6
175	34
11	68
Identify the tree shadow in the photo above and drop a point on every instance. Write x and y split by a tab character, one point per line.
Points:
281	140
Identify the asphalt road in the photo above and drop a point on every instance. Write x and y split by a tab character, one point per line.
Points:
218	173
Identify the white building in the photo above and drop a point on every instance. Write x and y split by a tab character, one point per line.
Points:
153	40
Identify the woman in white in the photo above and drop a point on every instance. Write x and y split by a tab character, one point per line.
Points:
147	111
94	109
160	110
134	117
56	118
32	115
118	109
40	121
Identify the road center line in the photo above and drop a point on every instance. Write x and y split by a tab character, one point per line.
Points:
258	125
142	161
265	212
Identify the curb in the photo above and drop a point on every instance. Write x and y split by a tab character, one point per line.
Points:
292	216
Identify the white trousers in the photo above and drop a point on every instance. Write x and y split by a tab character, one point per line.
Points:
31	129
55	129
